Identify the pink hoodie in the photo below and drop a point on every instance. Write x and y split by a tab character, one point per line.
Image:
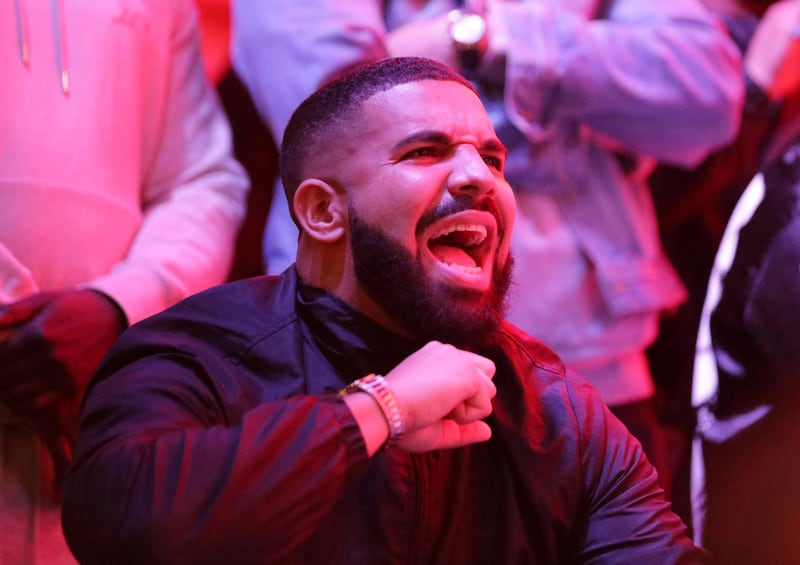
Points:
115	173
115	157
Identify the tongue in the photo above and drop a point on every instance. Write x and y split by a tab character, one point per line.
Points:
453	255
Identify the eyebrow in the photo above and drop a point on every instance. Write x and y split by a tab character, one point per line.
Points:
434	136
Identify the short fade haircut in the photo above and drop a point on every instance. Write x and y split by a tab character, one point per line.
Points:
333	108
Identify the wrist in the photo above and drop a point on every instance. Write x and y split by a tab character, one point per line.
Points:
376	387
121	317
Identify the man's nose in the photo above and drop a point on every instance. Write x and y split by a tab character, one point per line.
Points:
470	175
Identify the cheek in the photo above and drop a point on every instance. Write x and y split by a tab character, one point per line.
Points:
400	207
508	209
394	215
396	200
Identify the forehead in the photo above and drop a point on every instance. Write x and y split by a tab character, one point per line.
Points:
438	105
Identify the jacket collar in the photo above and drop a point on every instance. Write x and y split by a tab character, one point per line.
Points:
349	339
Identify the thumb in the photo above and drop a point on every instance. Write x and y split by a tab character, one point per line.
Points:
22	310
453	434
475	432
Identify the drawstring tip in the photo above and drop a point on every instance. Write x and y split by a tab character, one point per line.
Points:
24	54
65	82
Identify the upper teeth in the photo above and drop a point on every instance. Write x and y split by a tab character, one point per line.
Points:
478	231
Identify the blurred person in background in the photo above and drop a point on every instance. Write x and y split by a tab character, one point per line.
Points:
694	204
119	197
746	384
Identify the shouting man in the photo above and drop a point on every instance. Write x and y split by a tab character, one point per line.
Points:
251	423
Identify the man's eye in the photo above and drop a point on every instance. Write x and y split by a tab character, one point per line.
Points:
421	152
494	162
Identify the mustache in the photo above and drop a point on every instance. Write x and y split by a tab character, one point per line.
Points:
461	204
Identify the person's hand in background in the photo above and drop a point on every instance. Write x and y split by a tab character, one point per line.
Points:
50	345
772	60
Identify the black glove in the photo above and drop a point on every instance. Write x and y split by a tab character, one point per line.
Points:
50	345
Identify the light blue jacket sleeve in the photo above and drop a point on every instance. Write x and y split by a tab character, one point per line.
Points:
283	50
657	79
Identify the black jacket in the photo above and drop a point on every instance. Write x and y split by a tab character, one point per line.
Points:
751	448
213	434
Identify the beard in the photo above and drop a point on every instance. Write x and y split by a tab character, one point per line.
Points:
431	310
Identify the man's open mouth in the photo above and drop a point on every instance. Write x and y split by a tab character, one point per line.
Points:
461	245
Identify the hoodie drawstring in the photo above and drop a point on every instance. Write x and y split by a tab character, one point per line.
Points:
61	44
22	32
59	33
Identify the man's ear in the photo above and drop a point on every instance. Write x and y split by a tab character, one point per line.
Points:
321	210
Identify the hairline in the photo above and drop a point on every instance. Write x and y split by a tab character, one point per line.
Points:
351	96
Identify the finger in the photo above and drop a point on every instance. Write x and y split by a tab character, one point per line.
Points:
488	385
466	414
475	432
485	365
475	408
25	358
445	434
30	401
458	435
482	399
21	311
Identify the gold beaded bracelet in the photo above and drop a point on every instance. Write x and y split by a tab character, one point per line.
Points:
377	387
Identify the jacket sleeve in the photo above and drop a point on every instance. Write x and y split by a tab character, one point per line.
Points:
769	316
167	472
193	194
284	50
627	518
656	79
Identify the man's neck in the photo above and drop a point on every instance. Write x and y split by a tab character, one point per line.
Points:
322	266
